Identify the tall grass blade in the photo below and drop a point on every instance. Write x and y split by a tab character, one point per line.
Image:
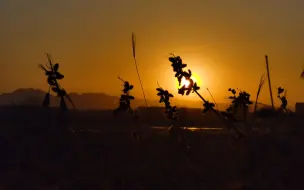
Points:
261	84
134	57
134	45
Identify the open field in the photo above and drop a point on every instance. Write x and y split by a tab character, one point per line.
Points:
48	155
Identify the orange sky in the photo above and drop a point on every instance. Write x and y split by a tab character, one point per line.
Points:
224	42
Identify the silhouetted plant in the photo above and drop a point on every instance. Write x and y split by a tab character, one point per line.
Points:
125	106
261	84
165	96
135	61
53	75
282	98
125	99
178	66
242	100
212	99
171	114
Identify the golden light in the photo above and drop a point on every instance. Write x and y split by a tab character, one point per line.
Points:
201	75
186	82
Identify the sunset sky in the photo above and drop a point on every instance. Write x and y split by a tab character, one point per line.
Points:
224	43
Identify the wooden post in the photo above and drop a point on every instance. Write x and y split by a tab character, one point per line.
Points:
269	82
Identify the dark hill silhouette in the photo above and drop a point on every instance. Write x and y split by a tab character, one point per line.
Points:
86	101
22	96
34	97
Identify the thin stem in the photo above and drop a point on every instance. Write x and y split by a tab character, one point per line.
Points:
53	72
269	82
56	82
158	84
262	80
213	99
220	116
201	97
120	79
142	88
134	57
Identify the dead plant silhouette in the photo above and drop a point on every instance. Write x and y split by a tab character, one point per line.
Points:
240	101
170	111
53	75
178	68
165	96
177	132
125	106
125	99
212	99
135	61
282	98
261	84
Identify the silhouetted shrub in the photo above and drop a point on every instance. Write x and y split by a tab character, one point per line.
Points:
165	96
282	98
125	99
53	75
242	100
178	66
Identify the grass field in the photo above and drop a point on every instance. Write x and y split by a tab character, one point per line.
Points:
46	155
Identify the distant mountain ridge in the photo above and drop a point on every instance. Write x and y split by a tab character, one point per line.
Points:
31	96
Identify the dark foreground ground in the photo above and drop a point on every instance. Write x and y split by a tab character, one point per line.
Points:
50	155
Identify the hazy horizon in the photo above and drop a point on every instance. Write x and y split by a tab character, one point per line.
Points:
14	98
223	43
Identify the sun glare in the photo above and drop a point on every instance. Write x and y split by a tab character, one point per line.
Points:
187	82
199	73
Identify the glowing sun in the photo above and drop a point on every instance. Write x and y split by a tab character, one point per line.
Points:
185	82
